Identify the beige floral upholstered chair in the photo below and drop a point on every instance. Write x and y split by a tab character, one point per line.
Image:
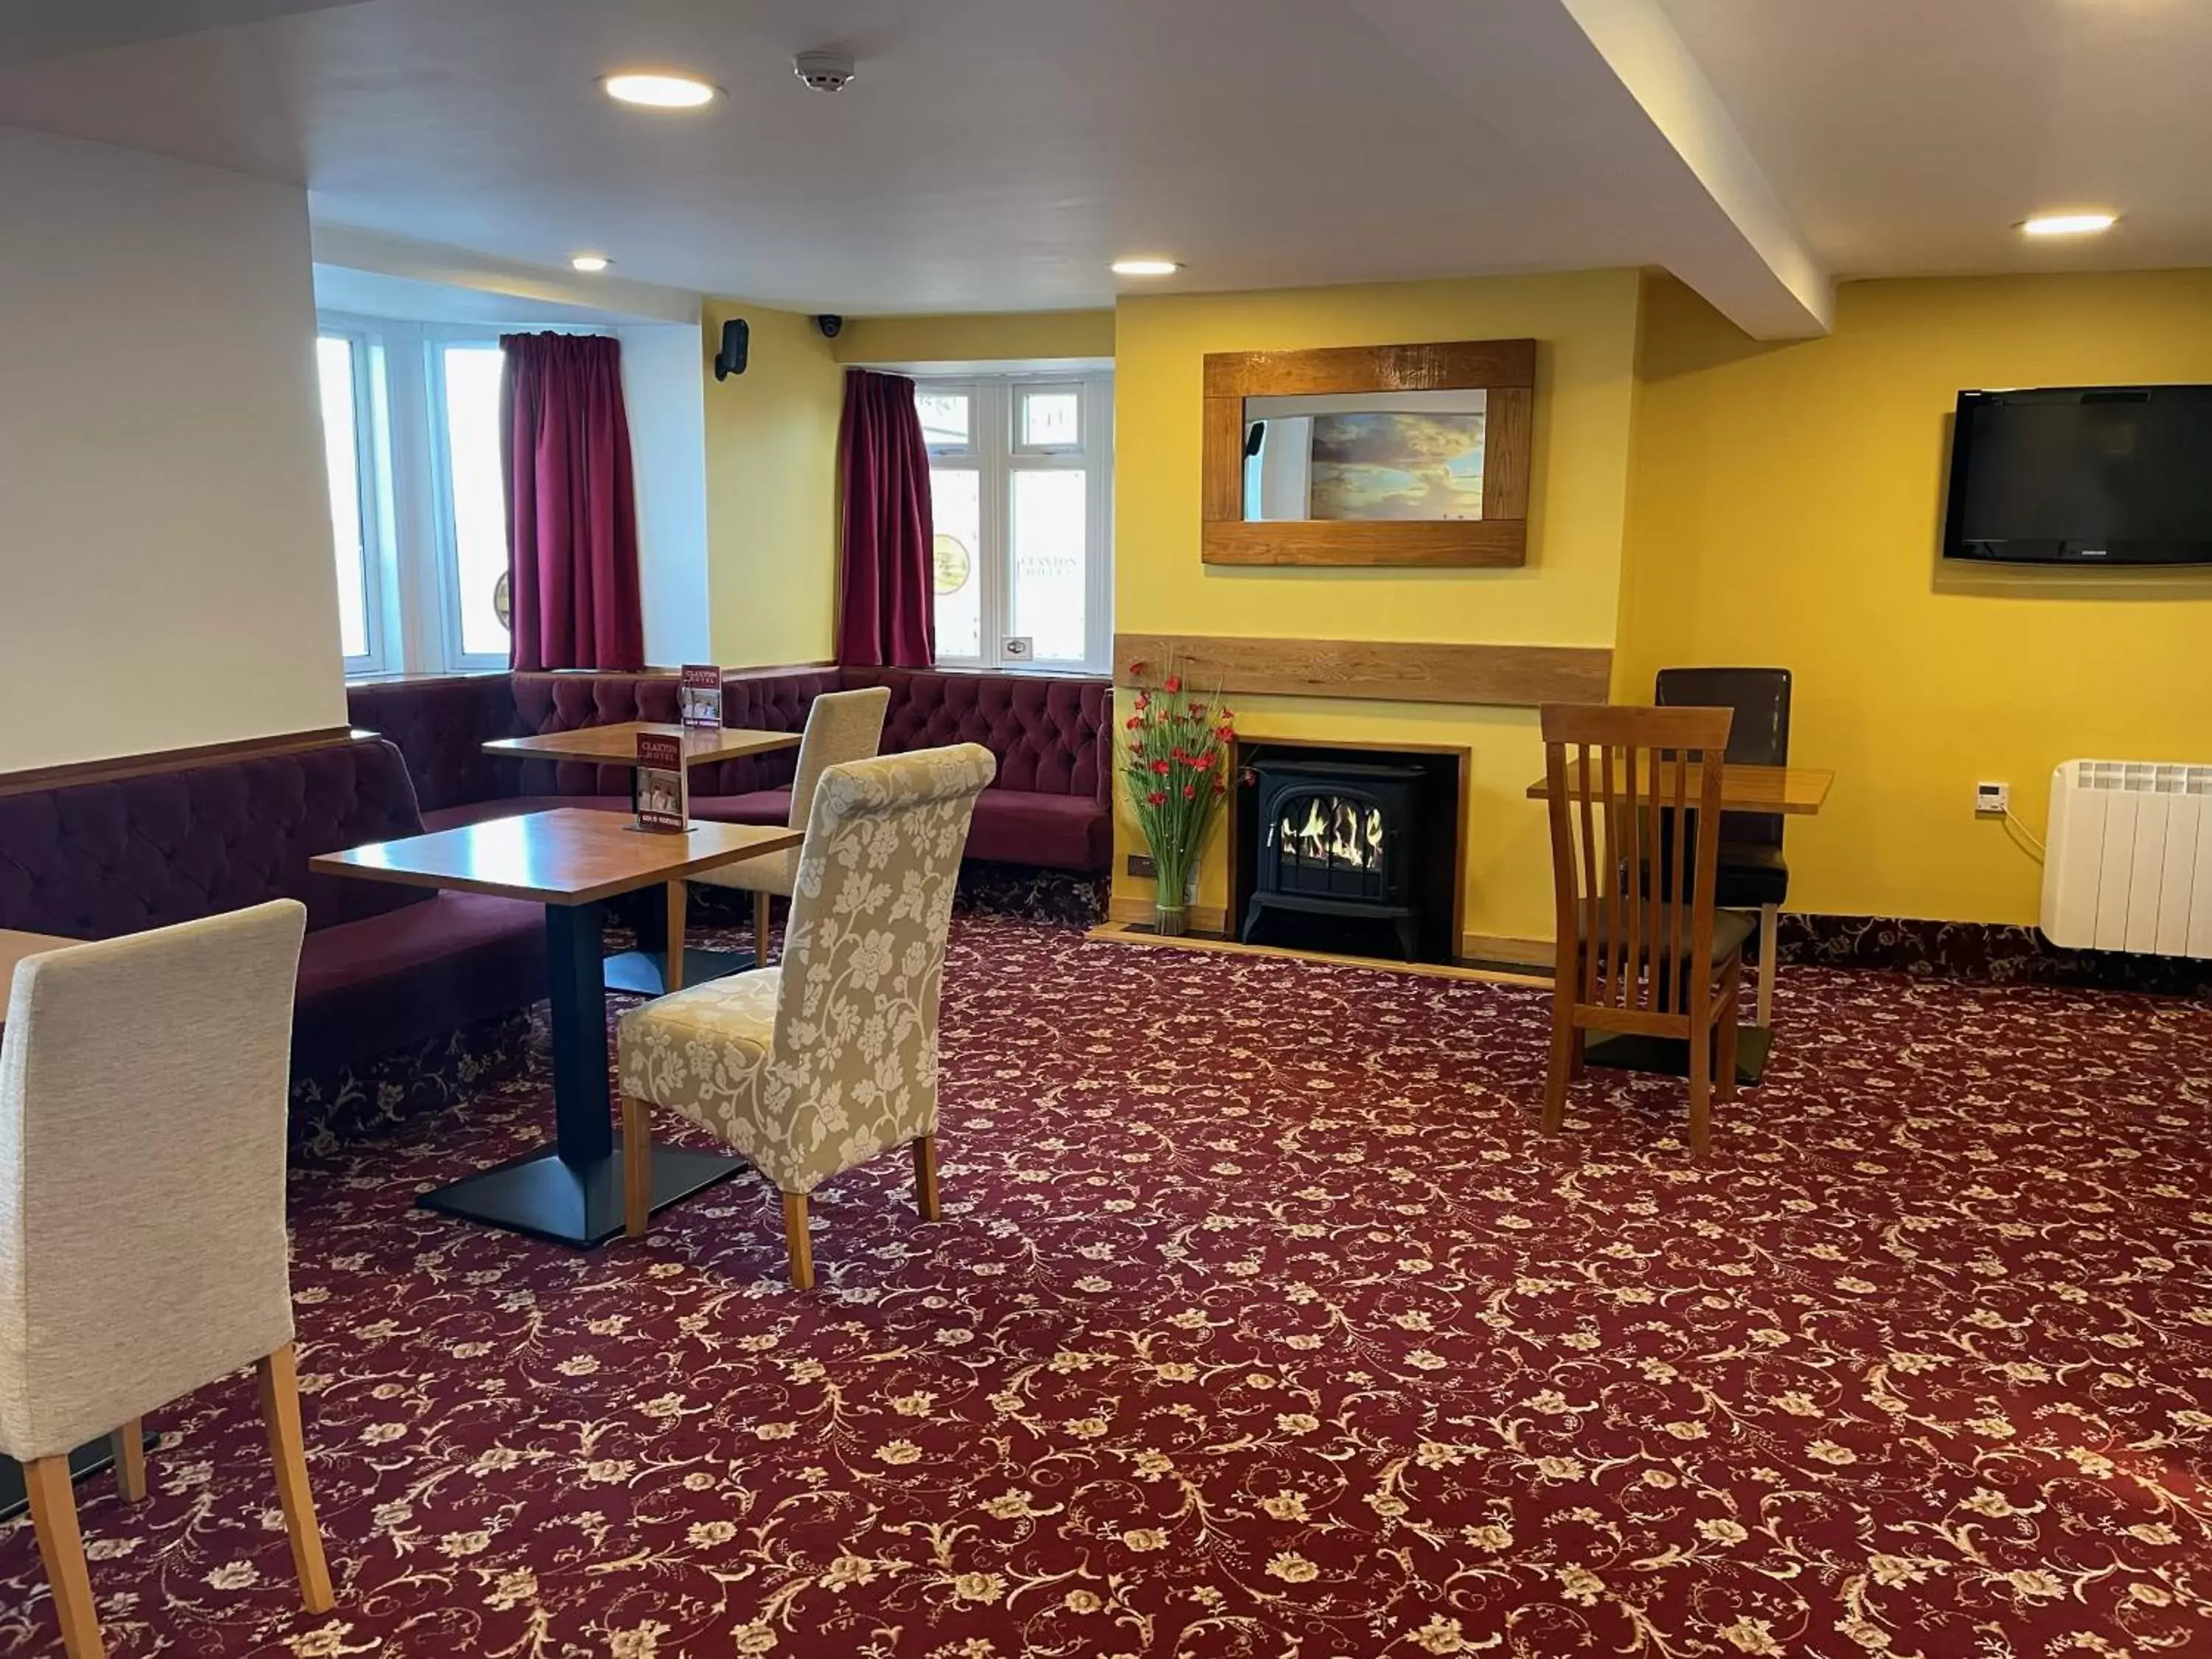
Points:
816	1064
841	726
143	1256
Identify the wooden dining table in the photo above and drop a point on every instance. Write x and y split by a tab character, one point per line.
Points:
646	970
1792	791
14	947
571	860
617	745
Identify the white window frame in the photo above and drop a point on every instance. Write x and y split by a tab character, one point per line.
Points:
445	579
379	633
994	454
413	605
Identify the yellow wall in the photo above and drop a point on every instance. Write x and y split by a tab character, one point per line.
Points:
771	491
772	457
976	337
1779	503
1568	593
1787	509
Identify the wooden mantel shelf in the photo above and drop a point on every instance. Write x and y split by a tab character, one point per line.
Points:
1513	676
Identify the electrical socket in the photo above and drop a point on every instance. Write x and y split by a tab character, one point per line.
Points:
1992	800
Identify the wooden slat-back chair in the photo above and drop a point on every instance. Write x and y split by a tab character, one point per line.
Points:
1641	949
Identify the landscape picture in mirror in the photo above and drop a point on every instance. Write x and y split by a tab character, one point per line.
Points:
2082	475
1381	456
1415	455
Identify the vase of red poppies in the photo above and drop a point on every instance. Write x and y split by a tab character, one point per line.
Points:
1175	749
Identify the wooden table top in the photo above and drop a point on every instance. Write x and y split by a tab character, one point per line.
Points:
571	855
617	745
1799	790
14	947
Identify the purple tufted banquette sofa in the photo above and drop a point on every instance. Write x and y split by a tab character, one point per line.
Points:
1050	806
383	966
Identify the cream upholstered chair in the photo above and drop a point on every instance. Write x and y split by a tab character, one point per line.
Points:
816	1064
142	1095
841	726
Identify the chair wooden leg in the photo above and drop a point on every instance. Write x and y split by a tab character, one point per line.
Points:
637	1166
279	1379
1701	1081
1577	1062
671	975
1769	916
1563	1046
760	930
796	1241
130	1460
61	1547
924	1176
1730	1025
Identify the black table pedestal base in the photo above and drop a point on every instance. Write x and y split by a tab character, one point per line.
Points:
94	1457
571	1193
644	973
547	1197
1670	1056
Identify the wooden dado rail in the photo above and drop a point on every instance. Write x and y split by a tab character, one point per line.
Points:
116	767
1520	676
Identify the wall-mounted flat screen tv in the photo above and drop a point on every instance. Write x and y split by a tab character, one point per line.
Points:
2082	475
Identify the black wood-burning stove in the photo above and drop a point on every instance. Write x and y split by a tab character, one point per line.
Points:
1339	840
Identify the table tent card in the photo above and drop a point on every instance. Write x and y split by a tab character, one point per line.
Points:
699	696
663	800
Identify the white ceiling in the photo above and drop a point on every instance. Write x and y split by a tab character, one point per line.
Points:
995	154
1911	135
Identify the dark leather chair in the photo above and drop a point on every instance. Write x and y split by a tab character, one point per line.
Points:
1752	875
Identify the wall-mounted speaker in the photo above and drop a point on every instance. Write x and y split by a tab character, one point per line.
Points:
737	339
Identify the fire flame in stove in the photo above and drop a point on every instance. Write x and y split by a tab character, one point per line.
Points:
1336	831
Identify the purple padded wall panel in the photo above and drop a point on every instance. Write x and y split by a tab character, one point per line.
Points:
1051	736
441	726
92	861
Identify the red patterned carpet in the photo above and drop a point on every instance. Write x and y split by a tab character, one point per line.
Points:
1263	1323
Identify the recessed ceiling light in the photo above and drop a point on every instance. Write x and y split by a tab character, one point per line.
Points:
2069	224
591	261
1146	267
660	91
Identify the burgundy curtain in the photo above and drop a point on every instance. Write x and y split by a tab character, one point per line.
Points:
571	519
888	606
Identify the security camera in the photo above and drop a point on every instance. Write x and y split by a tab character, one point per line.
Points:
830	323
824	71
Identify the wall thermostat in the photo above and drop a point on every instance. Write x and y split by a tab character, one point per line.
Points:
1992	800
1017	648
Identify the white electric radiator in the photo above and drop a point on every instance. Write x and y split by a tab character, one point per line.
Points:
2129	863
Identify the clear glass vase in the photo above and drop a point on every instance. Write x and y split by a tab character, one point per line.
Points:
1171	899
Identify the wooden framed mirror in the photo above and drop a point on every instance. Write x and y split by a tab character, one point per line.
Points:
1370	455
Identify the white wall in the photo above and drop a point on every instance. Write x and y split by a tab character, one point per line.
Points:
664	393
165	571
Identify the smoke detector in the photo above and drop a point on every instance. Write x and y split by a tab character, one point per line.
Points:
824	71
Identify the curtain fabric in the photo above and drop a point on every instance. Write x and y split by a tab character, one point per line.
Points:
887	607
571	513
